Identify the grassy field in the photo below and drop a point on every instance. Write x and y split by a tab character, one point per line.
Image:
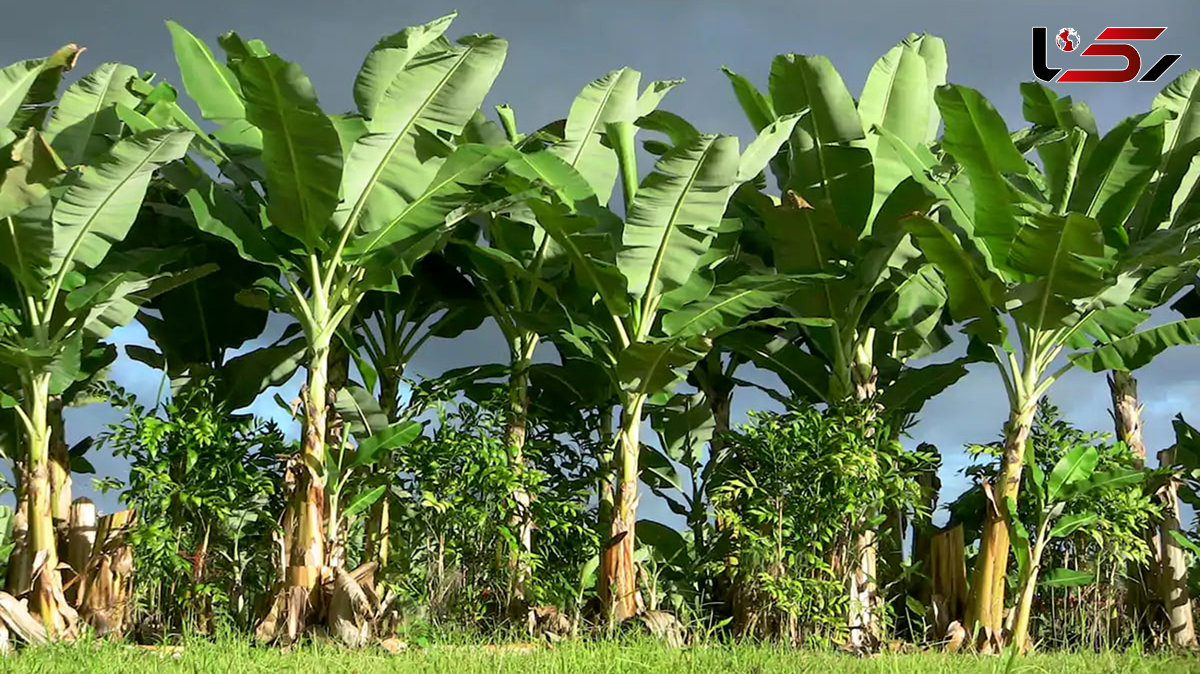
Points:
233	656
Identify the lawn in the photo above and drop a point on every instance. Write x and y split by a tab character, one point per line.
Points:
239	656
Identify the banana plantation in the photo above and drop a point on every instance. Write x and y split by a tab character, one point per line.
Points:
850	261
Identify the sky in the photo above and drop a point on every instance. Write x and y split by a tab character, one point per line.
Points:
556	47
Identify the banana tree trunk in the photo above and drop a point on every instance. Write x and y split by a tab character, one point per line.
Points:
722	584
923	532
337	374
986	606
863	589
605	490
376	540
622	599
17	580
42	542
515	430
306	549
376	544
1174	577
60	471
1127	413
1024	610
1127	418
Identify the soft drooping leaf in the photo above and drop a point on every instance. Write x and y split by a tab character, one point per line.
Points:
685	424
210	83
757	106
1023	547
974	292
27	87
98	208
1065	257
33	171
728	305
364	500
1136	350
804	374
413	86
301	150
612	98
927	171
1119	168
359	409
25	207
898	96
657	470
85	119
386	439
765	146
675	213
1066	578
146	356
667	541
467	168
551	170
1174	196
653	94
654	367
373	86
1069	524
828	161
1181	539
217	211
978	138
917	386
1076	466
1109	479
110	298
202	320
250	374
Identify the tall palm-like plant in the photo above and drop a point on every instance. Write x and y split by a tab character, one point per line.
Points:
846	192
1045	253
1163	188
649	313
520	269
72	188
337	205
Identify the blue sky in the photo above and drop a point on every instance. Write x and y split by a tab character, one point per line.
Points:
557	47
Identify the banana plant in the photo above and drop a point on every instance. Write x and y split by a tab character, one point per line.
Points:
519	270
1072	480
845	194
645	318
72	186
1162	188
336	205
1045	252
386	331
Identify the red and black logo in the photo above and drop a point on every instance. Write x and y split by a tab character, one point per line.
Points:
1110	42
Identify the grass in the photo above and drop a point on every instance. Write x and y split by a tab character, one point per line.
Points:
574	657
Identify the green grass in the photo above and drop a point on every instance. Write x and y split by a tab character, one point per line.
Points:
575	657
